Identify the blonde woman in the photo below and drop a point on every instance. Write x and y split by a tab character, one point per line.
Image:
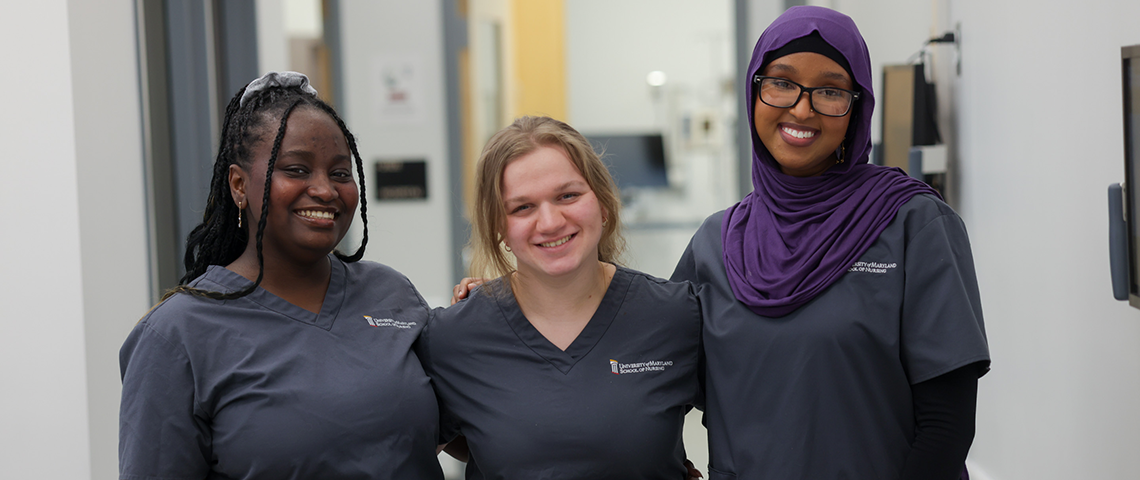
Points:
566	365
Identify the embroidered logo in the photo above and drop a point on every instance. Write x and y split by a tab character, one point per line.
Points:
640	367
872	267
388	322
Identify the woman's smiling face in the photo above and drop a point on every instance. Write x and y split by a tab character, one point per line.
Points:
802	141
554	220
313	197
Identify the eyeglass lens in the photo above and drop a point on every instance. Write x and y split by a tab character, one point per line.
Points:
781	93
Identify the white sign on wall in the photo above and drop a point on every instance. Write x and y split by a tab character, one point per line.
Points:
397	89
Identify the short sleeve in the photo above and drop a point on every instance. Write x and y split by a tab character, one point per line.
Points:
448	424
942	327
686	267
687	270
160	434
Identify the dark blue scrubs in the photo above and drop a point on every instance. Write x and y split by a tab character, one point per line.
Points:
258	388
825	391
611	406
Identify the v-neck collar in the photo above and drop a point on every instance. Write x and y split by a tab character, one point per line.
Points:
330	307
599	323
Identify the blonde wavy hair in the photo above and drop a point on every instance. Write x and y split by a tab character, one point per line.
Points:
489	215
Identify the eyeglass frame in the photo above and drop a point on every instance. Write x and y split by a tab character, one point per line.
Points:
757	79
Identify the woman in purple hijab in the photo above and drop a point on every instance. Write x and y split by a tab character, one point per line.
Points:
843	327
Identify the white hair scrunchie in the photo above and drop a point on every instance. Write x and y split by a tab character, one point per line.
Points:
277	79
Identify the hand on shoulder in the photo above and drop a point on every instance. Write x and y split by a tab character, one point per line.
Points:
464	288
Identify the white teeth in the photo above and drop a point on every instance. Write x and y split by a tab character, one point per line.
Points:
798	133
557	242
316	214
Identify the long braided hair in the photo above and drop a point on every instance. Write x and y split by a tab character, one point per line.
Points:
218	240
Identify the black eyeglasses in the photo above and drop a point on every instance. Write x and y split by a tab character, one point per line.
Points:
783	93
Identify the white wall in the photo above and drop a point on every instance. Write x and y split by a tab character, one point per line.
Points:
1035	165
42	335
272	40
412	236
74	251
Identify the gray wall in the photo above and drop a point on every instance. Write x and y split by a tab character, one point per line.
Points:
108	146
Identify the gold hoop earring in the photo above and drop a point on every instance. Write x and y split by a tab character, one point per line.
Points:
507	248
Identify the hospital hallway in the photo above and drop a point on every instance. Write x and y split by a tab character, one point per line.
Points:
114	109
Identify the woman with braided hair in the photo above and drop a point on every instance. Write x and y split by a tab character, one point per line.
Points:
276	356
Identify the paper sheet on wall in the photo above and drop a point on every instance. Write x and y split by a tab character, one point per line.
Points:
398	89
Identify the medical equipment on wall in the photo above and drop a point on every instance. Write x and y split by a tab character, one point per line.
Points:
911	139
1124	202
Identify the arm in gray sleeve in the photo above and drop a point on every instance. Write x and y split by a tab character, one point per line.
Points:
161	432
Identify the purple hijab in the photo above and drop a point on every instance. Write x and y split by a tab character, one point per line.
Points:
792	237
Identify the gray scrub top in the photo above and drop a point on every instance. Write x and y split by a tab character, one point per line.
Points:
824	392
259	388
611	406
